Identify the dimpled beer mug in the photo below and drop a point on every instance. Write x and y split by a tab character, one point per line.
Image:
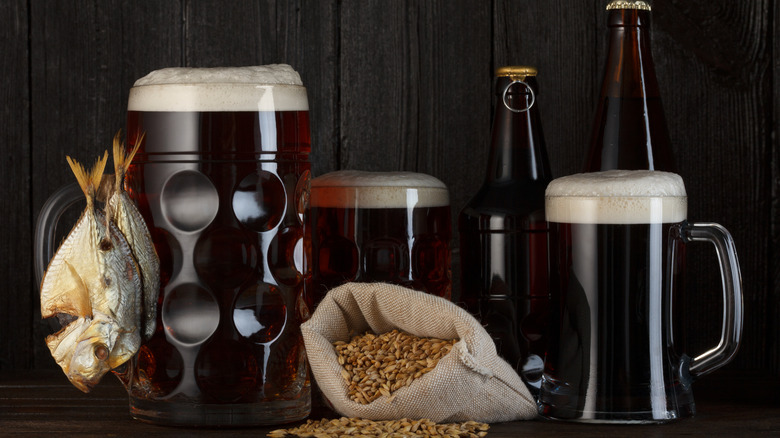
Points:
221	178
392	227
618	243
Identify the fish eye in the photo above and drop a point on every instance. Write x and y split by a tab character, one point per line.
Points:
101	352
105	244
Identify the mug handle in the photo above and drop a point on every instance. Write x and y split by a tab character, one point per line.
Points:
46	225
731	278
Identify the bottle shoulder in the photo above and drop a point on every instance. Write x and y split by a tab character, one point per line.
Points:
506	202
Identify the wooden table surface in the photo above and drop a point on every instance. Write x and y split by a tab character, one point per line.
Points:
35	403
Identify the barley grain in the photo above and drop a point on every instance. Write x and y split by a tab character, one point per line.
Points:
392	428
377	365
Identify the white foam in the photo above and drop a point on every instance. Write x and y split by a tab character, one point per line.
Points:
617	197
353	189
275	87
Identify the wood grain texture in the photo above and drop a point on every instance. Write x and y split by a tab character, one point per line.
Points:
773	274
716	87
17	295
408	86
41	403
523	35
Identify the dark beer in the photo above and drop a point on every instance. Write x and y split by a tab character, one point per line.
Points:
390	227
503	232
629	128
220	179
610	355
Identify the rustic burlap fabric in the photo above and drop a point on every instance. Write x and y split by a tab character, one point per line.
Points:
469	383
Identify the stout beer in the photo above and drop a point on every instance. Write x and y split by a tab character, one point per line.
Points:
503	232
392	227
618	256
608	354
220	179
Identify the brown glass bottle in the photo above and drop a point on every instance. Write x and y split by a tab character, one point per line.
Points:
629	130
503	232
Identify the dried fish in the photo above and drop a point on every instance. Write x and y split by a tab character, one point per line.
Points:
123	212
94	278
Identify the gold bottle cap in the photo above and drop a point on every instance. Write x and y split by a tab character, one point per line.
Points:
628	4
516	72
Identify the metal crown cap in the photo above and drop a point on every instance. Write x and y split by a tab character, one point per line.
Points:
628	4
516	71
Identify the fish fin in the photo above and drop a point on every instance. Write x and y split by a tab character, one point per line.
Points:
96	174
81	303
88	181
81	174
122	160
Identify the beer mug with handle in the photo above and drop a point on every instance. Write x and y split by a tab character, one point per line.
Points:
221	178
617	258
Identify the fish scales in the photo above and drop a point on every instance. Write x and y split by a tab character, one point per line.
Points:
94	278
124	213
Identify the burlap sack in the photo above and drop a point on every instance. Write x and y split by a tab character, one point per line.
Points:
469	383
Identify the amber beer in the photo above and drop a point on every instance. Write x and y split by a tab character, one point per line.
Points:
221	178
392	227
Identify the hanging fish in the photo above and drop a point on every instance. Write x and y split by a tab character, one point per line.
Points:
122	211
93	283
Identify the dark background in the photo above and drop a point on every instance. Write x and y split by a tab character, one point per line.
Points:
407	85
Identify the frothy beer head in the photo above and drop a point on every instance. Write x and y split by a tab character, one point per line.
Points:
257	88
359	189
617	197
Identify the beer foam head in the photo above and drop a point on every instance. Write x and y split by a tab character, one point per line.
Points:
617	197
360	189
274	87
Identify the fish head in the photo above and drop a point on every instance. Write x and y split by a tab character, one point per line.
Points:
90	360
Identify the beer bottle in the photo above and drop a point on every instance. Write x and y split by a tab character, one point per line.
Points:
503	232
629	131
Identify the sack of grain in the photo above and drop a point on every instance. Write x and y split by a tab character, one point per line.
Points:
469	383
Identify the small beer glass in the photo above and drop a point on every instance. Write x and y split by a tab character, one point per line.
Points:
392	227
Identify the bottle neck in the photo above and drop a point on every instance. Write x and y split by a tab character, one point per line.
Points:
630	71
517	149
629	130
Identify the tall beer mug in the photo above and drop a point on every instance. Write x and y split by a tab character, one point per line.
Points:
221	179
617	259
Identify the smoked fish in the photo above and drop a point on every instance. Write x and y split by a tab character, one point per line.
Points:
123	212
95	282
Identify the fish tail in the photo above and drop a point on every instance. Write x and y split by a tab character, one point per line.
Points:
96	174
81	174
122	159
88	181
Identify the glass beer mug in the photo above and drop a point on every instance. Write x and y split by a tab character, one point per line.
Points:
392	227
617	256
221	179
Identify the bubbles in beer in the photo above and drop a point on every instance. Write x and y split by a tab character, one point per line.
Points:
225	257
190	314
259	201
189	201
260	313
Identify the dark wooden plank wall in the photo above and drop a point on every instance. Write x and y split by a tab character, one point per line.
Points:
407	85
